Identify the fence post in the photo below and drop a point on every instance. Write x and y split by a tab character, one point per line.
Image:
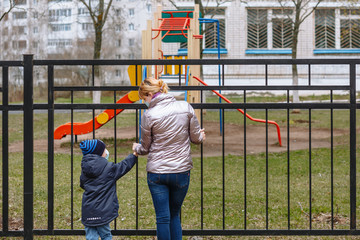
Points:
28	147
5	148
51	149
352	146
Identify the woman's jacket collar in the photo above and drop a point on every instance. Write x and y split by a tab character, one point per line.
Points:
160	98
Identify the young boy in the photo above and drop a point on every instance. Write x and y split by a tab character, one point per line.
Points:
98	177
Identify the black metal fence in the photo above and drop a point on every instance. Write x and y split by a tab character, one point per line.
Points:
28	107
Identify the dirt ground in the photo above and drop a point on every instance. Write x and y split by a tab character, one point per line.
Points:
233	139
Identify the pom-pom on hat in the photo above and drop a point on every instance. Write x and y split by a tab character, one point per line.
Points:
93	146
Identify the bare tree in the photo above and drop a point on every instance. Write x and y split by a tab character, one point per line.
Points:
302	10
99	14
12	5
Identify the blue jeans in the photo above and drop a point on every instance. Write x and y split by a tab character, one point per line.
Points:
93	233
168	192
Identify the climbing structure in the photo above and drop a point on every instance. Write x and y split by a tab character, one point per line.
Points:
174	26
181	26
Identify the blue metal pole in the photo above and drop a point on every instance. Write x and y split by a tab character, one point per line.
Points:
209	20
187	80
143	78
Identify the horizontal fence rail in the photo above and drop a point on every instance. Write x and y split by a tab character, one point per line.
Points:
244	202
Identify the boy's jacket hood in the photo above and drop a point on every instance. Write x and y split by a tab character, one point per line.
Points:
93	165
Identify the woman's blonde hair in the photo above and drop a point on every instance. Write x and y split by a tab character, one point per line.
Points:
152	85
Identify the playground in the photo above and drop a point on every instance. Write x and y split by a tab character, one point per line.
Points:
261	171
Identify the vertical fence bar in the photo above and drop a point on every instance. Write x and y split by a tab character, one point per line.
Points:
288	157
352	146
93	111
28	147
180	74
72	163
137	164
51	149
245	203
310	172
267	167
309	73
115	150
266	75
267	154
202	169
5	150
332	160
223	166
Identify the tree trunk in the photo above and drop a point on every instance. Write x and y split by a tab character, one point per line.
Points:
97	51
295	76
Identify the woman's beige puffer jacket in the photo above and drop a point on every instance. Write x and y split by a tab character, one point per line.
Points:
167	129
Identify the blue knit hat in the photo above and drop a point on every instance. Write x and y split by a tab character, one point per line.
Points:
93	146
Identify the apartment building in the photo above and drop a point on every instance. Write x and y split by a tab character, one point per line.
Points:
248	30
63	29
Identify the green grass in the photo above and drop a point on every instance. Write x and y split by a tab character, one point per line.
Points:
212	189
234	170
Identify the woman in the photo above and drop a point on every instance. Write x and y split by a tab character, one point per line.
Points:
168	127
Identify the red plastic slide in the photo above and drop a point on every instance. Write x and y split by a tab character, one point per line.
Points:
247	115
86	127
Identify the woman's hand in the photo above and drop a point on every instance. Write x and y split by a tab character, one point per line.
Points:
134	146
202	132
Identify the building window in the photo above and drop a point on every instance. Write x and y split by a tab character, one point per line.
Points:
118	56
118	43
118	28
257	28
87	26
54	15
131	56
19	15
325	28
20	30
59	42
83	12
118	12
118	73
35	44
19	44
36	30
131	42
148	7
20	2
337	28
131	26
282	28
131	11
276	33
60	27
210	32
350	28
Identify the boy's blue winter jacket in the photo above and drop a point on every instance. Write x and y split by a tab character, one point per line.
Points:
98	177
